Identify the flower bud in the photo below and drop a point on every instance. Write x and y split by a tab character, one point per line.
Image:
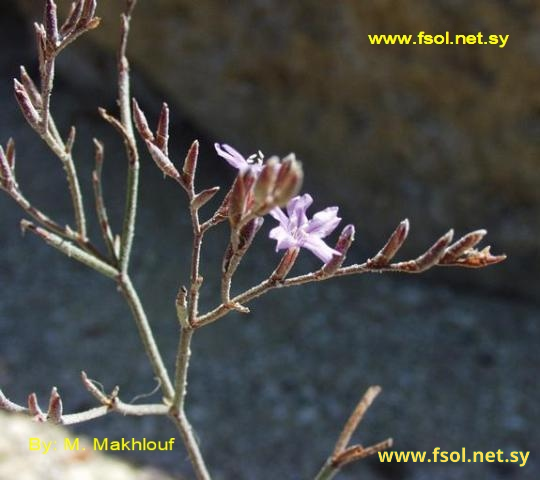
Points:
50	21
285	265
266	183
54	412
7	181
392	246
248	232
343	244
289	180
162	161
28	110
72	18
240	196
190	162
162	130
141	123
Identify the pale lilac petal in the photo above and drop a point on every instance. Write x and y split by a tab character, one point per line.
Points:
280	216
283	238
232	156
317	246
296	209
300	201
324	222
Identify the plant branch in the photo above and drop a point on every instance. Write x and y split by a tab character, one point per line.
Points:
188	437
130	212
71	250
182	364
146	335
343	453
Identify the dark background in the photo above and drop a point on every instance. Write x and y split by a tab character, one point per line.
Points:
446	136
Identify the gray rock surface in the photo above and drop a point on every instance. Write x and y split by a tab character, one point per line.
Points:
268	392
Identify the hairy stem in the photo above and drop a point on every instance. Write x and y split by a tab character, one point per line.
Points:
195	456
130	212
182	364
147	337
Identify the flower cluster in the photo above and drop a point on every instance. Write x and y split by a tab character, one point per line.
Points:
271	191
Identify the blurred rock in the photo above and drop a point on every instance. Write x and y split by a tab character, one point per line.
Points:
444	135
18	461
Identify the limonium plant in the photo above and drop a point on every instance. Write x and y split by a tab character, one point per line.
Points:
263	188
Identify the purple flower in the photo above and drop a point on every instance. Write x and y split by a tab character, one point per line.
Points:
236	159
295	230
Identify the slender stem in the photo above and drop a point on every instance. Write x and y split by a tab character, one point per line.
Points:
328	471
146	334
71	250
195	456
101	210
72	179
49	134
196	279
182	364
118	407
47	80
130	212
130	215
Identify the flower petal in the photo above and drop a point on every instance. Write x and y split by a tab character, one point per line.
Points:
280	216
324	222
296	209
232	156
317	246
283	238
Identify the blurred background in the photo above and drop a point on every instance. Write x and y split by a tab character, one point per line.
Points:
447	136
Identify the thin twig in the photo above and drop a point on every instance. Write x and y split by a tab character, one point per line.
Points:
71	250
124	103
343	453
101	210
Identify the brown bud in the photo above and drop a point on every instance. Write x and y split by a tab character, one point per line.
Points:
34	409
28	110
55	407
289	180
285	265
88	11
162	161
162	130
240	196
190	162
392	246
141	124
71	139
343	244
464	244
73	18
266	183
248	232
203	197
431	257
31	89
50	21
10	153
7	182
41	43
